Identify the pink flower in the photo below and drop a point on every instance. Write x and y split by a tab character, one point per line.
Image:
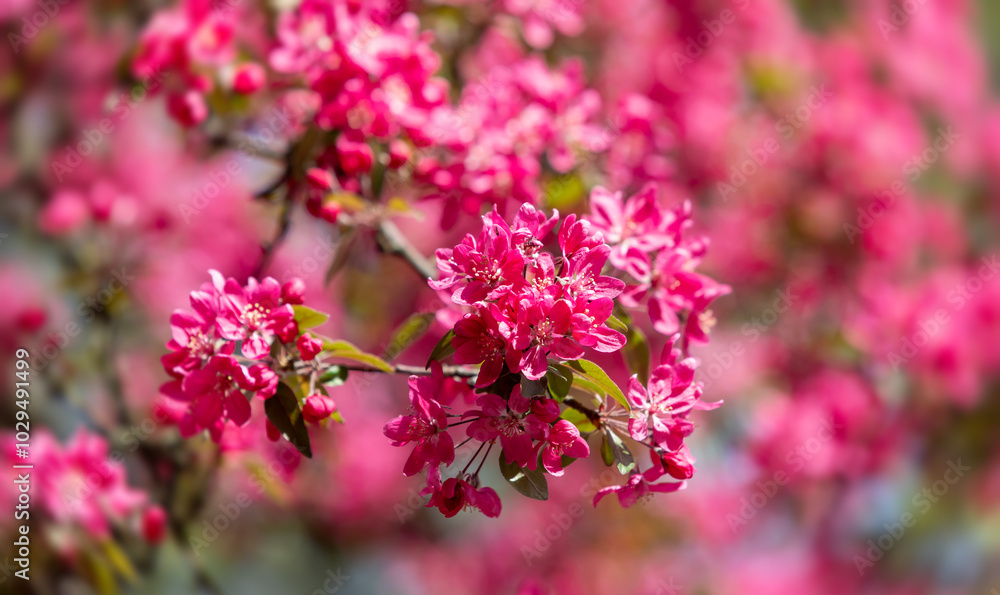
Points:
561	439
505	419
483	269
248	78
635	227
428	427
187	108
478	339
455	494
255	315
663	408
317	408
640	487
543	327
215	394
589	328
154	524
309	346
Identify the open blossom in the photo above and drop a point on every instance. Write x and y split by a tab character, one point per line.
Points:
456	493
208	376
255	315
507	421
661	409
648	243
428	426
641	486
78	485
562	439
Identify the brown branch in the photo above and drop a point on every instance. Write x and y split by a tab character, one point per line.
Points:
392	241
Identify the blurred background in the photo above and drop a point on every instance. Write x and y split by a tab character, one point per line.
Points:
842	160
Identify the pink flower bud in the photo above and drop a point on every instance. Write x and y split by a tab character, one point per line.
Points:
319	179
330	212
154	524
293	290
546	410
309	346
399	153
354	154
317	408
188	109
273	434
249	77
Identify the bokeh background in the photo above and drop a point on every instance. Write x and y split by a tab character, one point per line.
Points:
842	159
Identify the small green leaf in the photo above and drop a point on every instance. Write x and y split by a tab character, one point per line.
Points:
308	318
283	411
578	419
607	455
345	350
529	483
620	453
443	349
407	333
594	373
617	324
560	379
334	376
636	352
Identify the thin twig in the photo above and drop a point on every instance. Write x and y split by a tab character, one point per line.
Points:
394	242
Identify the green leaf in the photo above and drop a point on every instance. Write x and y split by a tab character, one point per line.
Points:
637	354
334	376
407	333
607	455
529	483
119	561
617	324
594	373
308	318
443	349
620	453
560	379
578	419
283	411
345	350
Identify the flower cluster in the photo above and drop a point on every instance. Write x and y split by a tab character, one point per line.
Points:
212	378
82	493
528	313
649	244
491	144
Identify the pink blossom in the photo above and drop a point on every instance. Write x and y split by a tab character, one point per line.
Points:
562	439
428	426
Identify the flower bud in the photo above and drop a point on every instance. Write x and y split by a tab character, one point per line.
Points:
154	524
293	290
249	77
317	408
309	346
188	108
319	179
546	410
